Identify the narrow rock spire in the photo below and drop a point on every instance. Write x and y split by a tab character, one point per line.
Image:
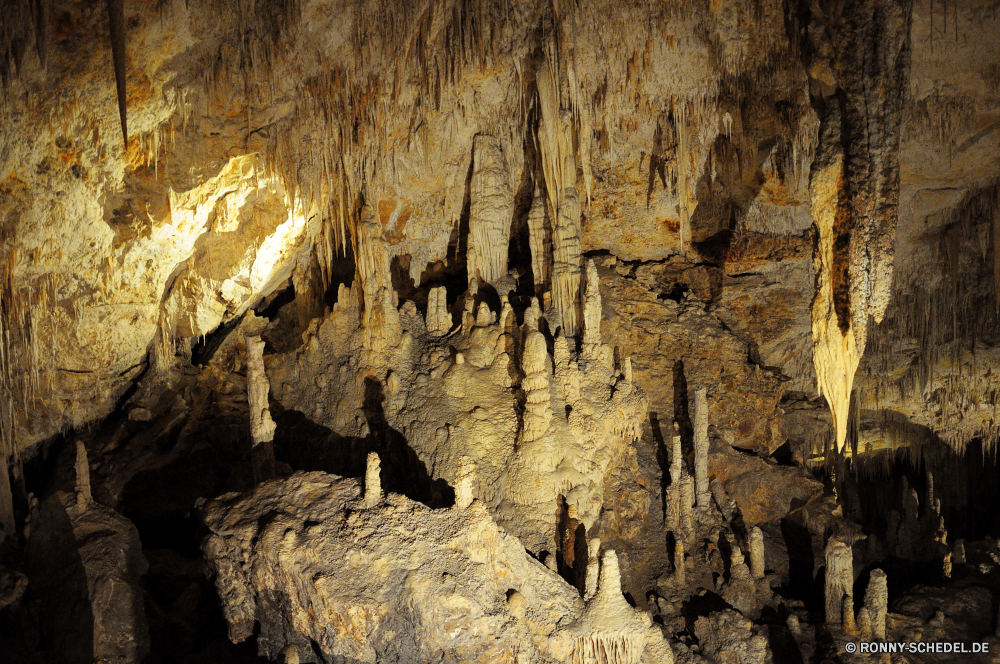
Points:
703	490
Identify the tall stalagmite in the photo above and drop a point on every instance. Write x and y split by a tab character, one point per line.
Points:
839	579
703	490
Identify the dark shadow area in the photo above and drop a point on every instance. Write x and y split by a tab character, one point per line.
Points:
698	606
58	587
305	445
784	649
801	561
572	554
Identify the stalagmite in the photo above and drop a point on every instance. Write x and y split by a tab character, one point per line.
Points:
847	620
261	425
864	624
463	483
566	256
491	211
959	552
380	319
438	317
291	654
373	480
946	565
687	505
839	579
757	552
593	568
540	241
737	564
678	560
538	409
877	602
610	630
83	495
676	458
591	346
703	491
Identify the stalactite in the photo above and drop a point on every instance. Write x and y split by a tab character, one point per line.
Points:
116	23
679	566
540	240
492	209
854	189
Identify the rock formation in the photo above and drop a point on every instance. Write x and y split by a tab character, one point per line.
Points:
702	489
417	308
839	579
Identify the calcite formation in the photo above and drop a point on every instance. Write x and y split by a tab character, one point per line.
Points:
838	580
471	331
398	581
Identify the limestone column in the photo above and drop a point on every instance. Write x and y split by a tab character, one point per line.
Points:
83	494
839	579
677	459
757	553
687	503
373	481
463	483
877	602
490	212
261	425
703	491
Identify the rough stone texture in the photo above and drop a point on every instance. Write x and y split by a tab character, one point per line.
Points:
84	564
401	582
459	403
